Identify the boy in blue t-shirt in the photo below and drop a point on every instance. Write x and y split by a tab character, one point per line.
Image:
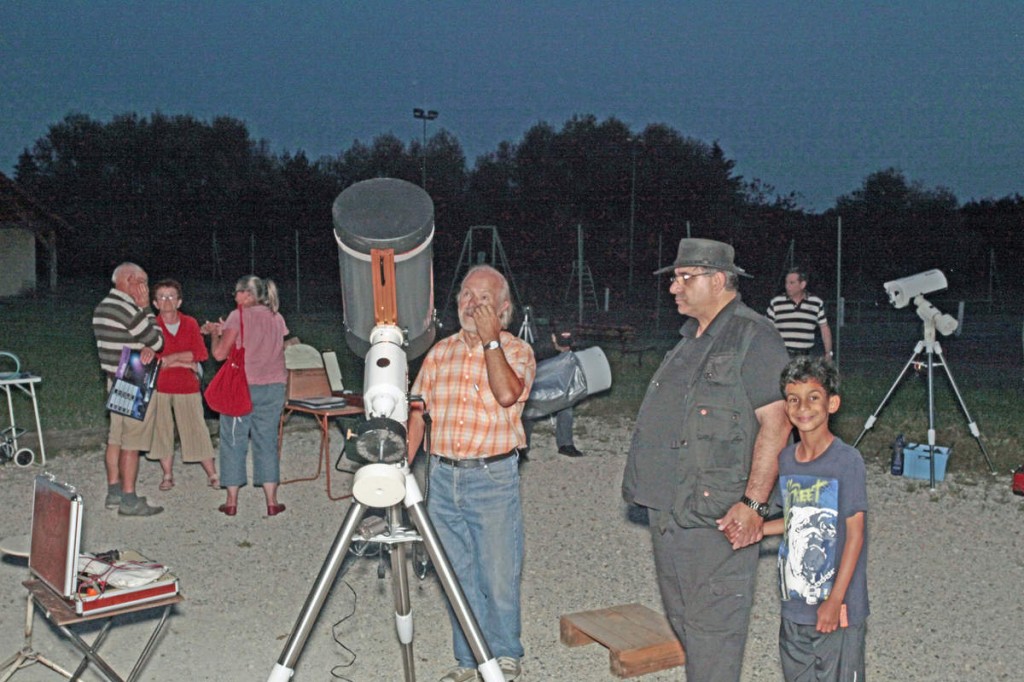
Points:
822	559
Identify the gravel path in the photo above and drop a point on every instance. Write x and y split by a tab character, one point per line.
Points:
945	572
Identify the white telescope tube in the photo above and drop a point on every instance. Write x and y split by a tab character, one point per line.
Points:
386	376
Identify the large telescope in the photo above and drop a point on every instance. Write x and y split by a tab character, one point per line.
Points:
385	214
384	228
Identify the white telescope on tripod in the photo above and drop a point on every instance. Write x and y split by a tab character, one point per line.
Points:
901	293
913	288
384	228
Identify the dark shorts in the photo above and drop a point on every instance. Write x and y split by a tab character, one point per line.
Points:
811	656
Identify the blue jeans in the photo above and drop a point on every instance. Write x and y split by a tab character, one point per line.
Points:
478	516
563	427
261	425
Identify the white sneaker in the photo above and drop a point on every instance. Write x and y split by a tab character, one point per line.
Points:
510	667
458	674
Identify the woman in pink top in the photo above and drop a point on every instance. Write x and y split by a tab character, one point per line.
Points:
264	332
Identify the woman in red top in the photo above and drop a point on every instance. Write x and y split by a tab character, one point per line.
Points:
177	399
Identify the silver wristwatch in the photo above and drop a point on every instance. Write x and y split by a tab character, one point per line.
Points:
762	509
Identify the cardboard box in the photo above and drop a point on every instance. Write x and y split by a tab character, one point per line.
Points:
915	461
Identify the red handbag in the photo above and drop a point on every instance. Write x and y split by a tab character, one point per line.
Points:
228	392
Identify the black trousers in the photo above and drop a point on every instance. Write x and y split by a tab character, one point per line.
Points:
708	590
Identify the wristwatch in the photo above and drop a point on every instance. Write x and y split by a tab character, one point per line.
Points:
762	509
492	345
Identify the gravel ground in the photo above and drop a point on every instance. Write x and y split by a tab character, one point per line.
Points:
945	570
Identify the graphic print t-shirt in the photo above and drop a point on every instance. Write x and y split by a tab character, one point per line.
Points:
817	498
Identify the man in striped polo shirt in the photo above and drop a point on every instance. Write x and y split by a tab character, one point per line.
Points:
797	314
123	319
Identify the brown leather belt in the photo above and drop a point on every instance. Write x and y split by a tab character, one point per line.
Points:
474	462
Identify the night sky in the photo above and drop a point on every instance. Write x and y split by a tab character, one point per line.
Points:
808	97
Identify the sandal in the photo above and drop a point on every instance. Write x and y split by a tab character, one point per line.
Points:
213	480
167	483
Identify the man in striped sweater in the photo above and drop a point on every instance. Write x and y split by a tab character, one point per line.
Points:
123	319
797	314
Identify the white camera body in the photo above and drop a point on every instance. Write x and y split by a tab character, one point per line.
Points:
902	291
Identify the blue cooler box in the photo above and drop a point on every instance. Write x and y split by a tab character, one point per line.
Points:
915	461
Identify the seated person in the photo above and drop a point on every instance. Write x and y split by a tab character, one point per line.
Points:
561	342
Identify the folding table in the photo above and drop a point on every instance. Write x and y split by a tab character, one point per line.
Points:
59	612
19	547
323	418
308	391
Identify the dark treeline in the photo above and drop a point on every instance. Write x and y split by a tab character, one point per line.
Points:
196	197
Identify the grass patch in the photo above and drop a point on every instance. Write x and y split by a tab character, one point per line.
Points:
630	376
906	412
52	336
53	339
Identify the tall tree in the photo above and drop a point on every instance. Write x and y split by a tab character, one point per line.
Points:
896	226
138	187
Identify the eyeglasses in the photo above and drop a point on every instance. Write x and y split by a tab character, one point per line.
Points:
167	297
685	278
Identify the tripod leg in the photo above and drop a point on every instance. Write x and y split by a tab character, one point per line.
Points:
971	424
488	665
400	591
874	415
931	417
285	666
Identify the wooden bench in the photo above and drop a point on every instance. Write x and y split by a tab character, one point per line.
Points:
639	640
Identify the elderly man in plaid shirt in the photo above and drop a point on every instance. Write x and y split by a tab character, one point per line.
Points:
474	385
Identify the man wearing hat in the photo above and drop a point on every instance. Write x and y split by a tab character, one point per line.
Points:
704	458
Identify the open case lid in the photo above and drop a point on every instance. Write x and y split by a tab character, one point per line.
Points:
56	534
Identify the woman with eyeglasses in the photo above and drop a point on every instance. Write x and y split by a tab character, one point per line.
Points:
257	326
177	400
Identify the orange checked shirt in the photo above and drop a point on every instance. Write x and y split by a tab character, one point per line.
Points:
466	419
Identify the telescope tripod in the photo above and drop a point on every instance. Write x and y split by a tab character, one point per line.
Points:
384	483
526	332
932	350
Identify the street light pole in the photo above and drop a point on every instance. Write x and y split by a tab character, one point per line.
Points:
424	115
632	208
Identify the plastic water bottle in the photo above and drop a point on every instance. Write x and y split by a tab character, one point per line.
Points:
897	455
